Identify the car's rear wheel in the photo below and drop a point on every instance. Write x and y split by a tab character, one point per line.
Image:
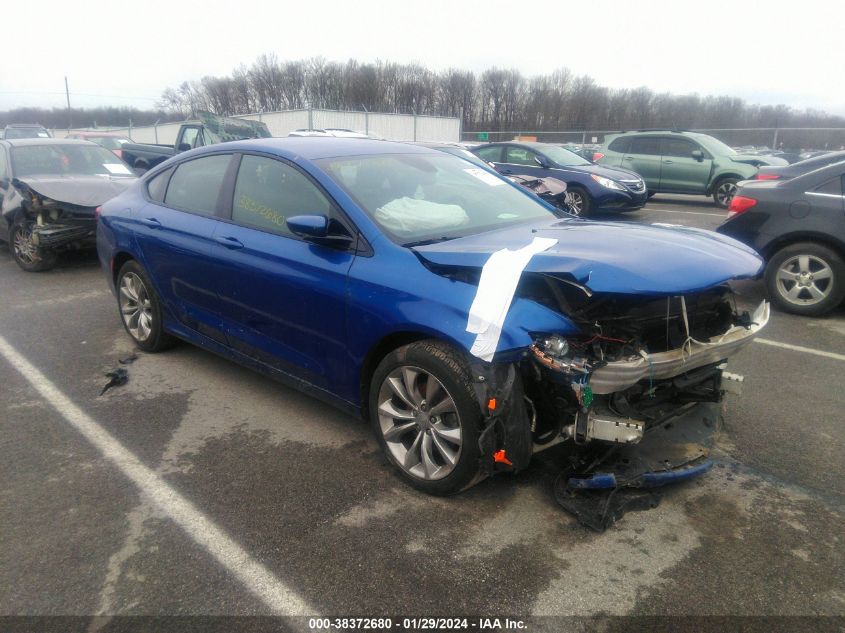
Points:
27	254
724	192
140	309
579	201
426	418
806	278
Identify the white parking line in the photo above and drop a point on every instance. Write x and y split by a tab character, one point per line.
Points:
281	599
715	215
798	348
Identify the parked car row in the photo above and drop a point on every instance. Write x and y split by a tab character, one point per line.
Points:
365	272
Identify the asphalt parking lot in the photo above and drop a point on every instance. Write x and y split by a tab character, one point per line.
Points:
202	488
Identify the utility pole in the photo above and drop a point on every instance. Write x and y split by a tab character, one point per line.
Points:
67	94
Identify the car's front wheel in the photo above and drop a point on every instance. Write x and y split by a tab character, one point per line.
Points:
423	409
724	192
27	254
578	201
140	309
806	278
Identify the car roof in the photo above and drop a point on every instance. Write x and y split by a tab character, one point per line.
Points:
25	125
315	147
23	142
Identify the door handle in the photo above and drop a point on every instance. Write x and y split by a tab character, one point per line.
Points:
628	158
229	242
507	171
668	162
150	222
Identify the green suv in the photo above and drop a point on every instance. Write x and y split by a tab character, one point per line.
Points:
682	162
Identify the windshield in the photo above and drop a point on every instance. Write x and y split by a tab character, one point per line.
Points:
26	132
563	157
418	198
66	160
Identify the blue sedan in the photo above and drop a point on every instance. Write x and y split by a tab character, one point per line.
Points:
393	281
589	187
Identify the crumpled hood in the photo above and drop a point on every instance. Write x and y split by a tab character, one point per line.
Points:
753	159
612	256
83	191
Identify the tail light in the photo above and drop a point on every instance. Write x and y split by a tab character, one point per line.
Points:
597	156
740	204
118	153
761	176
97	212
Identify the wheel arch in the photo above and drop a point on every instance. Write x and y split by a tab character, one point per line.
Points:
720	177
802	236
118	260
382	348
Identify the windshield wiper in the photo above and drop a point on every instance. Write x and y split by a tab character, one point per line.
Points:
431	240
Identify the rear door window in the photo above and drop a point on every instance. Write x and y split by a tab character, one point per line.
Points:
492	154
647	145
268	191
678	147
520	156
157	186
195	185
620	145
831	187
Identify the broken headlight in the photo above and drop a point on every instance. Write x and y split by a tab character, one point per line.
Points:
555	352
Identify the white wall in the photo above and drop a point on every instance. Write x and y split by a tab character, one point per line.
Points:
393	127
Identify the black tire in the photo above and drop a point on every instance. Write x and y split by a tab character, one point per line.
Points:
796	291
157	339
650	194
451	371
27	255
574	194
723	192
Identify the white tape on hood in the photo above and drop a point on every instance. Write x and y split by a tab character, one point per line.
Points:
499	279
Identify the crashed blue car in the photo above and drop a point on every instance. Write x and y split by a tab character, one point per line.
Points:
471	323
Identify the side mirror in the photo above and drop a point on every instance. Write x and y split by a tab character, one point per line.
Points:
542	162
698	155
309	225
4	183
184	147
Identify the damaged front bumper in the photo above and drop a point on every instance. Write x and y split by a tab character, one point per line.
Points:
619	375
57	236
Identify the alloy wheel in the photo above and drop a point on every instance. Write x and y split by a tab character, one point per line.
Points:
25	250
420	424
804	280
135	306
725	193
575	202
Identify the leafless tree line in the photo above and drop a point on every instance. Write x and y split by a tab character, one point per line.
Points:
496	99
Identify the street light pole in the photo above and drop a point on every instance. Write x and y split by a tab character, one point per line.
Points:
67	94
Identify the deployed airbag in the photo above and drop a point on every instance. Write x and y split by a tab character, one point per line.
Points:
412	216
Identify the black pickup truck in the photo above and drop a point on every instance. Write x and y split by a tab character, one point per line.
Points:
208	130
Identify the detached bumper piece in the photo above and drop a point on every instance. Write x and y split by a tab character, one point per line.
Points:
600	487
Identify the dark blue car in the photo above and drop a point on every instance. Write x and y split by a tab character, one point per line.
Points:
589	187
393	281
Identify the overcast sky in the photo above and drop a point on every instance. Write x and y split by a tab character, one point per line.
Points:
127	53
